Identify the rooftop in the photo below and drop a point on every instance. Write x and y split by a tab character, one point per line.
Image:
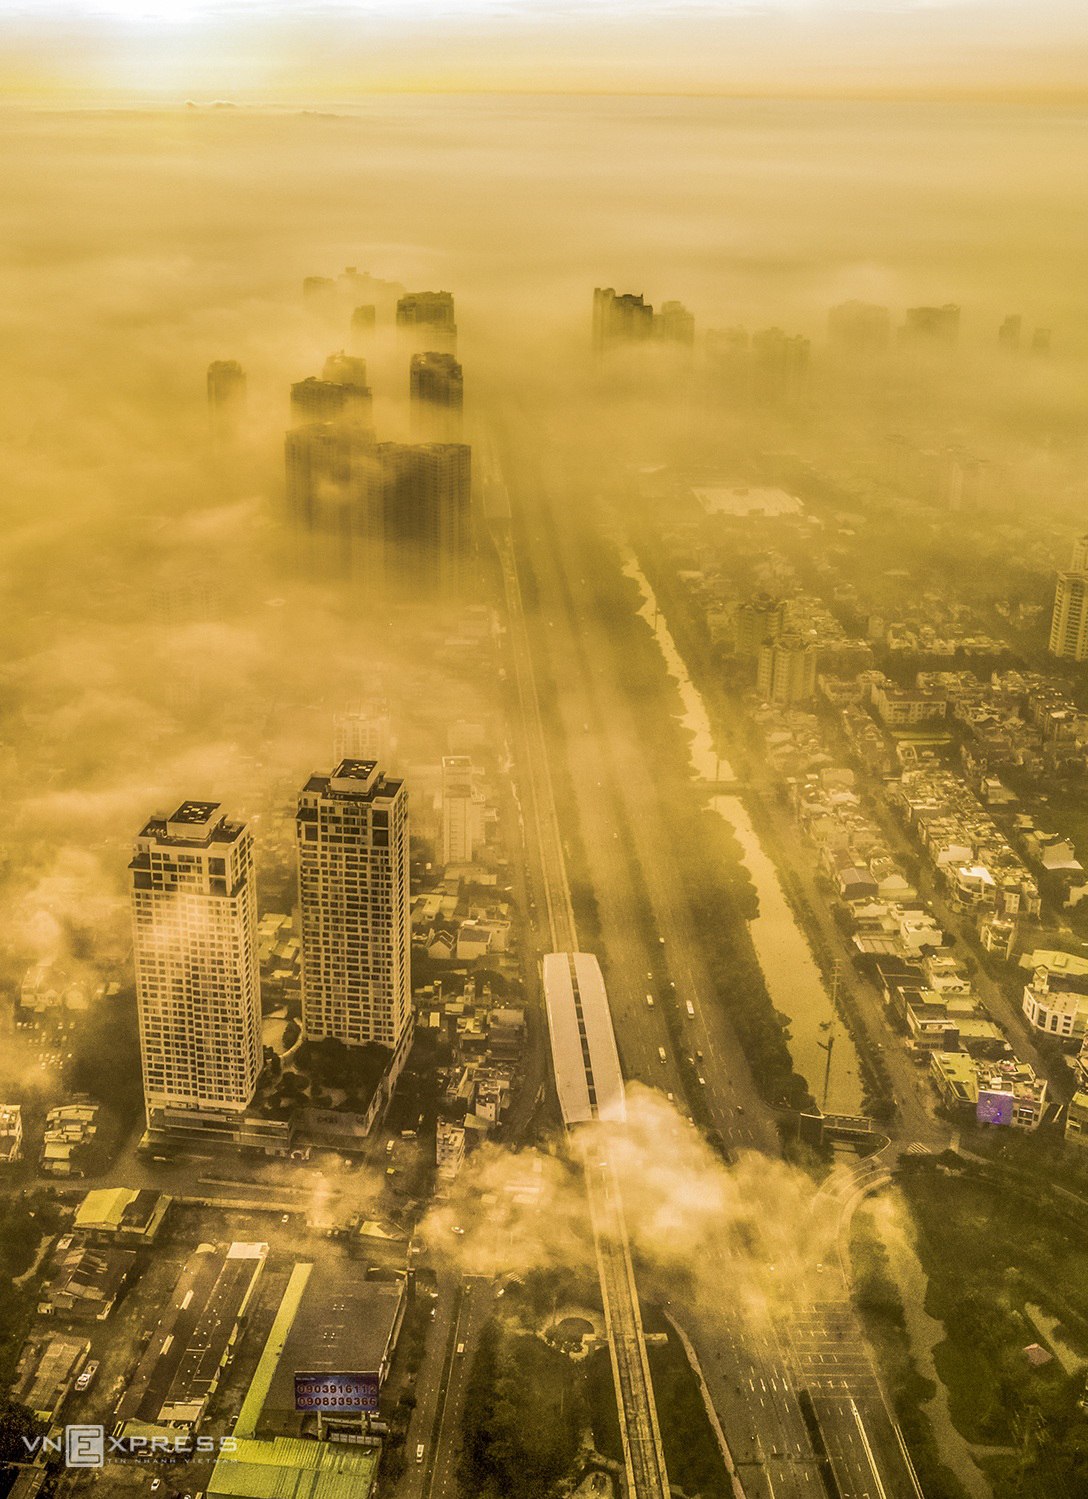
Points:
587	1067
342	1324
286	1468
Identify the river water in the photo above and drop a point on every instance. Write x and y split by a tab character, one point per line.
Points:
793	980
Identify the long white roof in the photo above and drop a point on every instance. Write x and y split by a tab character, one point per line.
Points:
587	1066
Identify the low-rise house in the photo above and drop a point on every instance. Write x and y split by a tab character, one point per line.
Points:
11	1133
1056	1005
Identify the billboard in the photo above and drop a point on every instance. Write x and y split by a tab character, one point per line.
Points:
994	1108
336	1392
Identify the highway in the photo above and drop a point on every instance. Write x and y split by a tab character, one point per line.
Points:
441	1439
755	1371
640	1435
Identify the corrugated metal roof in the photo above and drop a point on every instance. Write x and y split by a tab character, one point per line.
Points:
270	1356
290	1468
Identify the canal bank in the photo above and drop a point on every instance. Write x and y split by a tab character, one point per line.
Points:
793	978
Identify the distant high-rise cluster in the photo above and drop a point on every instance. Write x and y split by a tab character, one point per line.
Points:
932	325
436	391
394	519
194	914
1069	622
354	288
769	369
626	319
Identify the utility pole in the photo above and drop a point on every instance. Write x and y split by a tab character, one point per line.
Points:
826	1046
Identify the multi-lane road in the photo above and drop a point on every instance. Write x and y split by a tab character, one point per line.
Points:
639	1431
754	1370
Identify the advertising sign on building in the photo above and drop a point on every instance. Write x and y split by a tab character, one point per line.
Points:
994	1108
336	1392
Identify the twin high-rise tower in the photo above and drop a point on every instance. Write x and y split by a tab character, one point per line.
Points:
194	913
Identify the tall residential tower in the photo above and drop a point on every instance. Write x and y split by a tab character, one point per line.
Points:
352	837
194	915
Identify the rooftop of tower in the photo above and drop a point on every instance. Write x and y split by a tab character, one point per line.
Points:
354	778
194	824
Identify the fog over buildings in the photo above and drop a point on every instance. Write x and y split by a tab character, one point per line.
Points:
486	486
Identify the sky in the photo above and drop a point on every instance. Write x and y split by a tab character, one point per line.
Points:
267	51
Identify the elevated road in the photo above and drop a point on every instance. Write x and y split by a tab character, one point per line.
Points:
593	1077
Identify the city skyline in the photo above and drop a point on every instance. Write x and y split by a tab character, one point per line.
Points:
543	745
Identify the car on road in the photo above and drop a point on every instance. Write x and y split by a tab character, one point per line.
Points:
649	1001
702	1082
740	1110
460	1348
661	1054
419	1453
690	1009
661	940
90	1369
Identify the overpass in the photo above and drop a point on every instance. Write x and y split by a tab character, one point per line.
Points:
589	1085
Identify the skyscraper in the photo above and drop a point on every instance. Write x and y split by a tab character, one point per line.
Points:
426	506
352	838
334	502
226	397
363	733
1008	335
394	518
675	324
1069	623
620	319
462	810
426	319
330	400
194	917
779	366
436	390
786	671
932	324
761	619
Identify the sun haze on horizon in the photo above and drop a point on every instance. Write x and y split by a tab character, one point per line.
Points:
268	51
